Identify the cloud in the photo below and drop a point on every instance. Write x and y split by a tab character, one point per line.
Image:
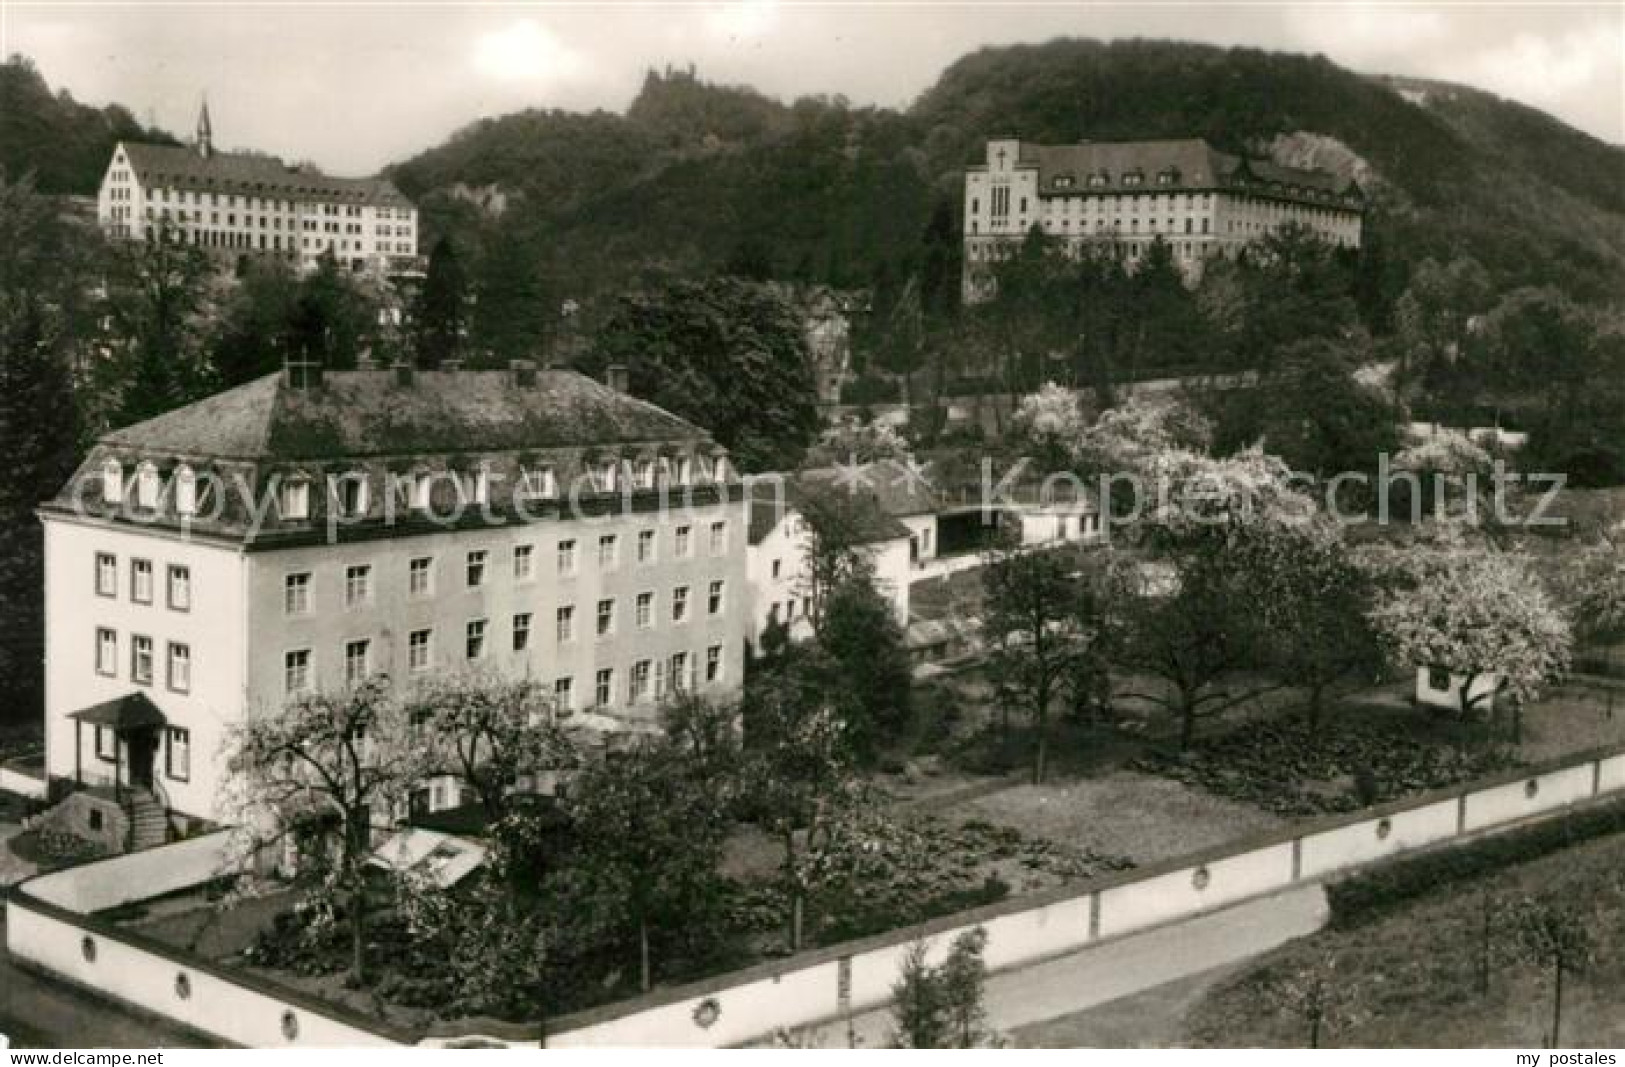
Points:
1545	71
1364	35
525	52
748	18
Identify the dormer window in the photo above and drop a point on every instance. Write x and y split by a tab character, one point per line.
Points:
477	486
1133	178
112	482
293	501
185	491
1064	182
1167	177
350	493
422	490
539	482
146	486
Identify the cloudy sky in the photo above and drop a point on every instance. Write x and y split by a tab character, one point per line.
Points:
353	86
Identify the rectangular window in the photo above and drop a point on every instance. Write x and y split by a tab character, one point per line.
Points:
713	663
638	683
606	552
141	660
679	604
296	594
106	651
604	687
357	585
682	542
678	673
180	588
645	610
420	576
419	650
539	482
295	500
567	556
476	568
357	661
719	538
713	600
521	631
524	562
180	667
106	574
564	693
606	617
565	624
106	744
177	753
474	646
646	546
141	581
296	671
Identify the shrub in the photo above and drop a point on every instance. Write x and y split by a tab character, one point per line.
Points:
1365	896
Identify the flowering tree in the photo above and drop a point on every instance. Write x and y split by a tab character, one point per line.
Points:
321	775
1051	423
1476	613
489	732
1126	438
854	441
1226	527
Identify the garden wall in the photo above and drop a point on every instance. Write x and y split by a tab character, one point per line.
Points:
827	984
51	925
50	921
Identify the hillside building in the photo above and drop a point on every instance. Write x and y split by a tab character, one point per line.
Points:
236	204
306	530
1125	195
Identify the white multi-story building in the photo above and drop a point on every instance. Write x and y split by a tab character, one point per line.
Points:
237	203
303	531
1197	200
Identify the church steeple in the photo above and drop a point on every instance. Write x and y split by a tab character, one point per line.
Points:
205	132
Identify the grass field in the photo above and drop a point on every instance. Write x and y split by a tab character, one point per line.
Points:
1411	976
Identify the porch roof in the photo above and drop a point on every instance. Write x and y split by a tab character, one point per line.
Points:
128	712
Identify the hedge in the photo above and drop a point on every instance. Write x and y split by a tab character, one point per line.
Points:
1367	895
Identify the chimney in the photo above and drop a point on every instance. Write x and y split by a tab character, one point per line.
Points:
302	374
616	377
524	372
403	374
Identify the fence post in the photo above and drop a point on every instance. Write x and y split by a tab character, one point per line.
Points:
1094	915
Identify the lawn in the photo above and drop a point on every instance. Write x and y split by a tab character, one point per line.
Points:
1413	970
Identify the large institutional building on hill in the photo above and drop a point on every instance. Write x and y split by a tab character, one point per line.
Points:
239	203
1198	200
306	530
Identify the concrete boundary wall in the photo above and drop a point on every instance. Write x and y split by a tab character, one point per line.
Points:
50	923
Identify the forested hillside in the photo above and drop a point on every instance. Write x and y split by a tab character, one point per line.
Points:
64	144
697	176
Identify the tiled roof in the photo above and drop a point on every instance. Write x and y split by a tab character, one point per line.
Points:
902	491
1189	163
179	167
872	523
353	414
